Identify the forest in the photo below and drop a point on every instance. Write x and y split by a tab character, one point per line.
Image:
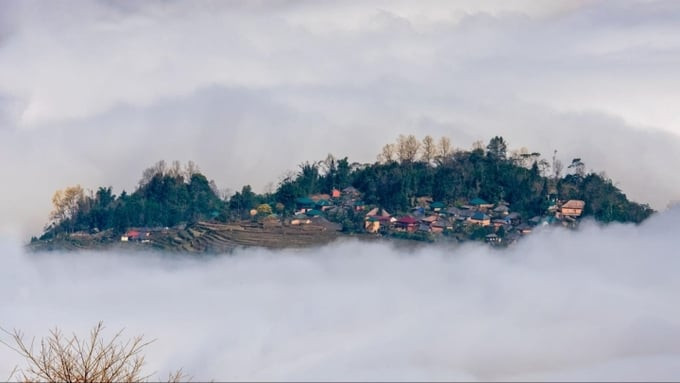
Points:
404	172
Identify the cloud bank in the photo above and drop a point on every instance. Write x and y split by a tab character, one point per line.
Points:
92	92
599	304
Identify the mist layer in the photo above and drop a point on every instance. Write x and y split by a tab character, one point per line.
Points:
599	304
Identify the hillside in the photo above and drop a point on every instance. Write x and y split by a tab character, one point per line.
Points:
416	190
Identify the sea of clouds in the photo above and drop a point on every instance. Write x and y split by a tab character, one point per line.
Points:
598	303
92	92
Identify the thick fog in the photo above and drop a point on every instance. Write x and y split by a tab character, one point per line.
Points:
600	303
92	92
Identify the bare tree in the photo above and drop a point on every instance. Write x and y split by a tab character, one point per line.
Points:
520	156
478	145
429	151
524	158
214	188
269	188
149	173
190	169
61	359
556	166
225	194
444	148
328	164
544	167
407	148
387	154
176	169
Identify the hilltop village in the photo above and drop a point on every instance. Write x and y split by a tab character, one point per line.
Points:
423	191
477	219
318	217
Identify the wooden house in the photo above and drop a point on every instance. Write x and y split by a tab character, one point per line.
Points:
572	208
501	210
479	218
406	223
480	204
440	225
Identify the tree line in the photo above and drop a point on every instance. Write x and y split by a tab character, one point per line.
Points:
405	170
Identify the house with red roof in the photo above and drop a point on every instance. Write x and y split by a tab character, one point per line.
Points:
406	223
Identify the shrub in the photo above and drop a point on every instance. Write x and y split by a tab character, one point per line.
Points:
72	359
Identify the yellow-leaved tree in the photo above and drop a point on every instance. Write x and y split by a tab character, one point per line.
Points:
66	203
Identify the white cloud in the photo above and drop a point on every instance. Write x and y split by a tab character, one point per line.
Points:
93	92
594	304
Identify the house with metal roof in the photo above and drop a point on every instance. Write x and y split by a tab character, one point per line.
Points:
437	206
479	218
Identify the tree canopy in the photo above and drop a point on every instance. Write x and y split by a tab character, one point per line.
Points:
405	171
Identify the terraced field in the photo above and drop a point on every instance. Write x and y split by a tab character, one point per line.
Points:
211	237
203	237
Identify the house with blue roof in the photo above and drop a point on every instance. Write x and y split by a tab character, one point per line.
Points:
479	218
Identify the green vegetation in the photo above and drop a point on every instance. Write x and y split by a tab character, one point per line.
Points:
405	173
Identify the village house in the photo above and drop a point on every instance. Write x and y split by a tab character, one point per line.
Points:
303	204
424	227
314	213
480	204
437	206
479	218
300	219
372	225
498	223
453	212
513	218
350	192
440	225
418	211
377	218
380	214
323	204
492	239
319	197
429	219
524	229
572	208
140	235
501	210
406	223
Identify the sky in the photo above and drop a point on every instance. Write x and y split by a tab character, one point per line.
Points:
93	92
595	304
